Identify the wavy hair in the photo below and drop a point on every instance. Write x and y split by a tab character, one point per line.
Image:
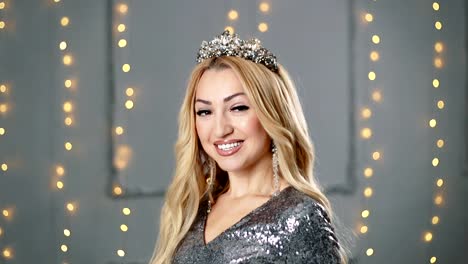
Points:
275	100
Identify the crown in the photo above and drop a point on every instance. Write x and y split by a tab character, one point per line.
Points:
231	45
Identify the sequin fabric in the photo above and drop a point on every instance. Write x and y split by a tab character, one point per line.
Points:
289	228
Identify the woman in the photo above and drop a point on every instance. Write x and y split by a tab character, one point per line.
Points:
244	190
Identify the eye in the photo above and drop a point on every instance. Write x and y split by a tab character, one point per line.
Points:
203	112
240	108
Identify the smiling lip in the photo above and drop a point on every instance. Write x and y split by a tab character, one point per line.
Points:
230	151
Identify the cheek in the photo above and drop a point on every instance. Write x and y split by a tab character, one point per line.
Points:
253	127
202	130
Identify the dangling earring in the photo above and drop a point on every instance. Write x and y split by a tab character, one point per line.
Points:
210	181
276	186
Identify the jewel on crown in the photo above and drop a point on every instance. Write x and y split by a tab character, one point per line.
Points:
231	45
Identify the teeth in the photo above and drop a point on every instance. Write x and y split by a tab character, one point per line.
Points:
228	146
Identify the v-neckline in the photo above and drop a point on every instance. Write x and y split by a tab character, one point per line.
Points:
205	218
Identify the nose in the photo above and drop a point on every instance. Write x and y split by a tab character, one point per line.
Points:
223	126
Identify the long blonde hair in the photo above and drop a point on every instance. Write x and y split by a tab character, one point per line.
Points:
275	100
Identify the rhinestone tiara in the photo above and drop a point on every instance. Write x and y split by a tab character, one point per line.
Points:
231	45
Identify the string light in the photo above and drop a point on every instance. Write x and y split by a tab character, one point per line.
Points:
230	29
438	63
365	131
68	107
368	17
263	27
233	15
264	7
121	154
122	43
121	27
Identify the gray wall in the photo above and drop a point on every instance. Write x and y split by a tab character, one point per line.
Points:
324	44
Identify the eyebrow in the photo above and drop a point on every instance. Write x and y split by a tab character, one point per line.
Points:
225	99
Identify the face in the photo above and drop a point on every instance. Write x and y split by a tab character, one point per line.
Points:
226	123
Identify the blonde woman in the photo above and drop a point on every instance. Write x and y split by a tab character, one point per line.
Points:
244	189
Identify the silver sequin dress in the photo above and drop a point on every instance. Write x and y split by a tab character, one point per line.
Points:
289	228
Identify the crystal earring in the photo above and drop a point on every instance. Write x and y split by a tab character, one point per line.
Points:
210	182
276	186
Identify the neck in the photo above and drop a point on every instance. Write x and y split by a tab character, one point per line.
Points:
255	180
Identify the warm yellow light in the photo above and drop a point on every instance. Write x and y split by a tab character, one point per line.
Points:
438	47
129	91
428	236
438	25
432	122
3	108
435	83
67	59
233	15
59	184
129	104
366	113
435	220
368	172
371	75
369	252
435	6
435	162
64	248
1	231
126	211
376	155
365	213
4	167
68	121
68	146
364	229
440	182
56	1
366	133
230	29
377	96
5	213
121	27
117	190
263	27
126	67
63	45
119	130
67	107
2	5
368	192
376	39
123	8
438	200
438	63
264	7
374	56
122	43
3	88
64	21
2	25
7	253
66	232
433	260
440	104
60	170
70	207
368	17
68	83
124	228
121	253
2	131
440	143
